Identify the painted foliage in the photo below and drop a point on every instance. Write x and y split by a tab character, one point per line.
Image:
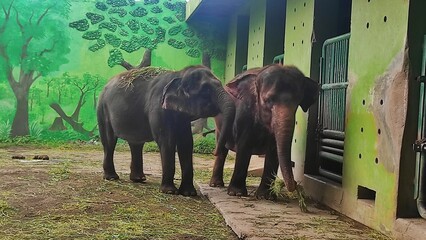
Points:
55	57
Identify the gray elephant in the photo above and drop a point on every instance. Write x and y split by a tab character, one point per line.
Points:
140	106
266	101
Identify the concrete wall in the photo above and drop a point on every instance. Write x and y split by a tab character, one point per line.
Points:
376	110
256	41
297	45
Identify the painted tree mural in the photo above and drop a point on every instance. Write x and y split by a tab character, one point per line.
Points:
83	86
129	25
33	43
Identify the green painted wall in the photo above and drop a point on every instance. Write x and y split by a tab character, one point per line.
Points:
256	41
77	45
231	49
376	109
297	45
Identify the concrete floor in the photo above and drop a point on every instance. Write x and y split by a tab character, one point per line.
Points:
251	218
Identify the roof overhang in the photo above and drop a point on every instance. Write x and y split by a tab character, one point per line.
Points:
212	10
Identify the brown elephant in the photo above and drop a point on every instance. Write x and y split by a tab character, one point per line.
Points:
266	100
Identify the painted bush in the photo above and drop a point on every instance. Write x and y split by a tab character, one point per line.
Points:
55	57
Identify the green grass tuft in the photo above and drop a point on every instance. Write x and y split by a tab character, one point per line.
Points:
5	209
61	172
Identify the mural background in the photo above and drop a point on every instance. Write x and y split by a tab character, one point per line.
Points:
56	56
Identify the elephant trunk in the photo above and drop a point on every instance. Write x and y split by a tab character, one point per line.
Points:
227	108
283	122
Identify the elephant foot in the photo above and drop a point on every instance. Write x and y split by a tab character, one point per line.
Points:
138	178
216	182
237	191
188	190
265	193
169	189
111	176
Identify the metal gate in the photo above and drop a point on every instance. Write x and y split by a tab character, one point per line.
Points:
332	106
420	145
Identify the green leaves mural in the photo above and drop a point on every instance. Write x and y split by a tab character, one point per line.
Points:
33	43
127	25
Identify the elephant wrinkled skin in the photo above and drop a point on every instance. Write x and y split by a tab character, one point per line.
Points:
266	101
139	109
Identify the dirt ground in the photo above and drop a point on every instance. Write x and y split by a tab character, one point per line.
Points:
65	197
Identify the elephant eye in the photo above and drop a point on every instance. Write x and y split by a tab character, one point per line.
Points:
269	101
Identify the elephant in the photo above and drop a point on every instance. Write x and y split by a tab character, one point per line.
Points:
266	101
141	107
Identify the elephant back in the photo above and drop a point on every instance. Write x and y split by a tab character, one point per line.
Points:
126	79
243	83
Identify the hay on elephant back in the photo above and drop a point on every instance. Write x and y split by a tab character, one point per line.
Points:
145	74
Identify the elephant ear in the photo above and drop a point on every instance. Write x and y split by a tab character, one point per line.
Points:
238	86
170	94
311	91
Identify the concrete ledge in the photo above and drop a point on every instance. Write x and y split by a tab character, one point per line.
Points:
324	191
251	218
410	228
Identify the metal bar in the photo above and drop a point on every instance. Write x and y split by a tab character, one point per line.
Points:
420	174
332	150
333	134
334	86
336	39
330	175
278	59
332	143
244	68
331	156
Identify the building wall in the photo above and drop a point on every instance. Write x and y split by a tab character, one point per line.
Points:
297	46
231	49
380	122
376	110
256	41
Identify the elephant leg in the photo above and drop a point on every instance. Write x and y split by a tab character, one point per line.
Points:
220	156
167	145
109	141
217	177
136	165
162	131
184	148
237	186
168	168
269	174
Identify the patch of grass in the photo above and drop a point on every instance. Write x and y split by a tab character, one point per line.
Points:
61	172
204	175
278	189
5	209
204	145
151	147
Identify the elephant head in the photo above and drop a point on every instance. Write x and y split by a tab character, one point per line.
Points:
280	90
197	92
